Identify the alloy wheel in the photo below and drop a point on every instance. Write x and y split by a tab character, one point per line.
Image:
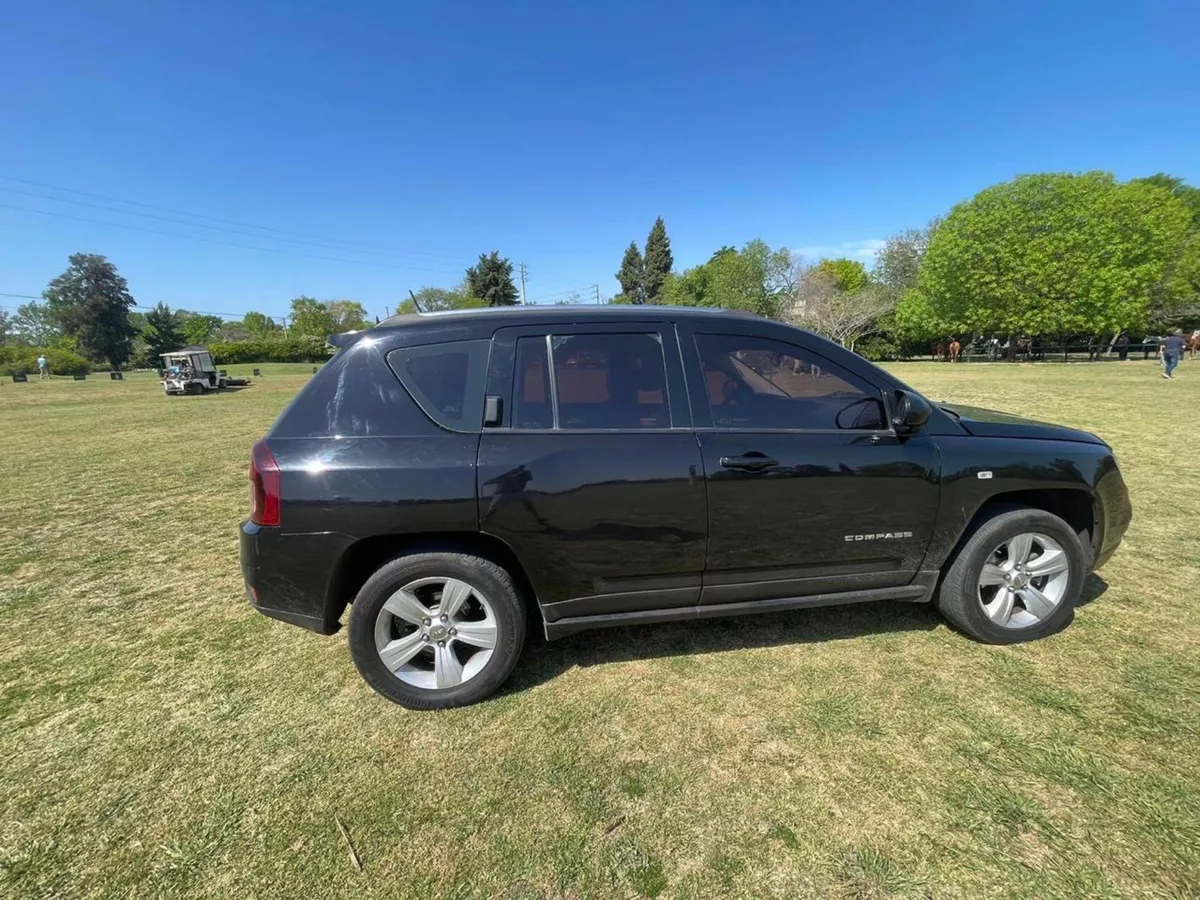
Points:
436	633
1024	580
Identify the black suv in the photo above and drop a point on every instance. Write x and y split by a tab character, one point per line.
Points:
452	475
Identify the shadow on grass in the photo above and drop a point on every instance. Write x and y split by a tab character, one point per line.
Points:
544	660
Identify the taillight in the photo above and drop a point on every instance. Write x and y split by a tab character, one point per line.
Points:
264	486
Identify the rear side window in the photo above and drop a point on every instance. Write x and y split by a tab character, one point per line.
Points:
595	381
446	380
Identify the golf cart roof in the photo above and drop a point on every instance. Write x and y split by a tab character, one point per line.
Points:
186	351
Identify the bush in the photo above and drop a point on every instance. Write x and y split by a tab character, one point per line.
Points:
298	348
878	349
59	362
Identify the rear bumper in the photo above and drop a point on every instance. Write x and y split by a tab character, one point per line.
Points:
287	575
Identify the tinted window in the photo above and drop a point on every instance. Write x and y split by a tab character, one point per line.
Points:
758	383
610	381
446	380
531	394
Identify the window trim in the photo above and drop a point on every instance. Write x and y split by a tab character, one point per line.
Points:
702	409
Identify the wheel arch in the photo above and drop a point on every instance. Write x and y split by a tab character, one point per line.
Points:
364	557
1075	506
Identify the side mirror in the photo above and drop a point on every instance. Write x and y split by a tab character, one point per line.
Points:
910	412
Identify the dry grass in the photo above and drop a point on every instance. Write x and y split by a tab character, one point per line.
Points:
161	739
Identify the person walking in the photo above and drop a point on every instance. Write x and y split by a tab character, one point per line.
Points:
1171	350
43	369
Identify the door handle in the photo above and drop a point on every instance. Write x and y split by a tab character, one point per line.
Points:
752	462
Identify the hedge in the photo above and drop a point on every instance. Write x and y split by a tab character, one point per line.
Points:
300	348
59	362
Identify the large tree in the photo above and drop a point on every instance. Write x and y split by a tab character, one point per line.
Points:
1052	254
348	315
848	275
839	304
312	317
1180	188
161	333
198	328
91	301
657	261
491	280
258	324
34	325
632	275
756	279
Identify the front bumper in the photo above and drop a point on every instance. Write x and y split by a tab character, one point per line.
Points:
288	575
1115	514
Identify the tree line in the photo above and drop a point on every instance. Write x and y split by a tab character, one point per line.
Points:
87	314
1058	256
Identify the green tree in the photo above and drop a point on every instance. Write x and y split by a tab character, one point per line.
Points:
348	315
312	317
198	328
491	281
847	275
632	275
258	324
4	328
435	299
756	279
34	325
657	261
161	333
1180	188
91	302
1052	254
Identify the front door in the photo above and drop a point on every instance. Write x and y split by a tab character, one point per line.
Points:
809	490
593	475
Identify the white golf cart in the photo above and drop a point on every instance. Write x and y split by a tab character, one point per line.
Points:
192	371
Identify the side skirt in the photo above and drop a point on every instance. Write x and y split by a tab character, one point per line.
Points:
911	593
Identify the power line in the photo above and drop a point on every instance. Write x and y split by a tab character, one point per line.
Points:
194	237
180	212
20	297
217	228
579	290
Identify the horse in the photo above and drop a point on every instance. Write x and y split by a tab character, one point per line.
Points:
955	350
1192	344
939	350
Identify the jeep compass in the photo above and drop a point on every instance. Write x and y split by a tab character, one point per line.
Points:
453	478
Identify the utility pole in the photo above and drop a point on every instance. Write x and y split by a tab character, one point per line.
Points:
596	293
524	274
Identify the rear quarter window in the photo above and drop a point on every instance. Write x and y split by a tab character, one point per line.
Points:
446	380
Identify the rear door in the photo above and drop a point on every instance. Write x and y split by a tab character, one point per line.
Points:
809	490
592	474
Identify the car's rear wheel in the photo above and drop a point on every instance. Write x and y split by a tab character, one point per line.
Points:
1016	577
434	630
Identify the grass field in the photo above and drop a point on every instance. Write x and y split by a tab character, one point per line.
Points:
160	739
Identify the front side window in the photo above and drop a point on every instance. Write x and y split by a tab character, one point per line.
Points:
446	380
760	383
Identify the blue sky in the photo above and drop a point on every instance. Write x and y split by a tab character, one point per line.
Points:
553	132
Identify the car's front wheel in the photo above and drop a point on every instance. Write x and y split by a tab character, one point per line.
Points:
434	630
1016	577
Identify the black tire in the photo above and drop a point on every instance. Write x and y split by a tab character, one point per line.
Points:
482	575
958	597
